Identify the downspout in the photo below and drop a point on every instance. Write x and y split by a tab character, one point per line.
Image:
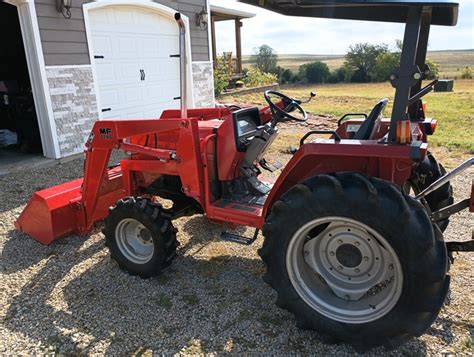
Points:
182	65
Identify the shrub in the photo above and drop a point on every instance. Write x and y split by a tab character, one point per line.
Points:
315	72
466	73
434	69
341	74
286	76
222	74
253	77
296	78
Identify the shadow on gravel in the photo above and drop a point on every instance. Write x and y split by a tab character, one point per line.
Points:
447	326
204	305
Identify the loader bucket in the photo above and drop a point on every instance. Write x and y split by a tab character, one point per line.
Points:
59	211
50	213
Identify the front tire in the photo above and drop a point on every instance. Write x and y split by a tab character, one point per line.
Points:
355	260
140	236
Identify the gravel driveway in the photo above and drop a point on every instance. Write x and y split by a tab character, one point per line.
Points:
70	297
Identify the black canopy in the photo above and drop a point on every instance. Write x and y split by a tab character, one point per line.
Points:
444	12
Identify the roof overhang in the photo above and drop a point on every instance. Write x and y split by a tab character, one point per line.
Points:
220	13
444	12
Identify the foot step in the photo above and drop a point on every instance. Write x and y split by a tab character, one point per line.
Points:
232	237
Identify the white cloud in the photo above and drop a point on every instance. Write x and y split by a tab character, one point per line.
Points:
290	35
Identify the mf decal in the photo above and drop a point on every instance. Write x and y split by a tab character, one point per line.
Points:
105	133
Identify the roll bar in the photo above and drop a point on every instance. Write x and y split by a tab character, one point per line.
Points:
418	15
445	12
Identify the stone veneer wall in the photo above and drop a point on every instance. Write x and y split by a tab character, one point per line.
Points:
74	105
203	84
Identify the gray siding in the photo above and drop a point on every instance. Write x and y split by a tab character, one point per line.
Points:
64	40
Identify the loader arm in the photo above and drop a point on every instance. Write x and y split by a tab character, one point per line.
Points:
75	206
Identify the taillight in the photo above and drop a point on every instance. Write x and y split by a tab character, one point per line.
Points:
429	126
403	132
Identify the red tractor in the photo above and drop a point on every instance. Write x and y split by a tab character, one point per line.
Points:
349	251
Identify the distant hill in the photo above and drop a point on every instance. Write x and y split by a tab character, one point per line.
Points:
451	62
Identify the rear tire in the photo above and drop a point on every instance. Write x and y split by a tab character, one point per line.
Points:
140	236
427	172
411	245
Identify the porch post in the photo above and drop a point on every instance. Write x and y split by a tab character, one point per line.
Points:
213	39
238	44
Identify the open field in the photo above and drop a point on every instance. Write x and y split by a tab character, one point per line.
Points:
454	111
451	62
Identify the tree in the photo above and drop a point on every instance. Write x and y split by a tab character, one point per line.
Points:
315	72
361	59
265	59
385	64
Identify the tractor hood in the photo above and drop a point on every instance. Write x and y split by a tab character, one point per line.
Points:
444	12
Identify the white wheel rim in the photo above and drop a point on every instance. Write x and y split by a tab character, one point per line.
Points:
344	270
134	241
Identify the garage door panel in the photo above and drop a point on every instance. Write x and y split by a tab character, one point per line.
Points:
110	98
131	94
104	42
100	18
161	70
127	47
105	72
159	46
127	72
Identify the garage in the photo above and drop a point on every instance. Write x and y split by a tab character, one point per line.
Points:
133	51
19	131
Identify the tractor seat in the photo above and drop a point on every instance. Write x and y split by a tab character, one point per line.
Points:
368	125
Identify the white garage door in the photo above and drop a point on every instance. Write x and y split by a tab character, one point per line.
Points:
131	48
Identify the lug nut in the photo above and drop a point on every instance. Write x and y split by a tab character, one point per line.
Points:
390	267
340	267
306	253
366	259
331	254
357	270
356	244
339	241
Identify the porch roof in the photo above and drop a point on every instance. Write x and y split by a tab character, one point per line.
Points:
220	13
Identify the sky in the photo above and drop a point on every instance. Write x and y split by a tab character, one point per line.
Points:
297	35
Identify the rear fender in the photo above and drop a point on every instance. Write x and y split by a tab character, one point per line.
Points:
393	163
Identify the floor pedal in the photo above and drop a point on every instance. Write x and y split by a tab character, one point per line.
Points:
270	167
235	238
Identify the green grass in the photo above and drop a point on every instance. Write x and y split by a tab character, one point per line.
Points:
451	62
454	111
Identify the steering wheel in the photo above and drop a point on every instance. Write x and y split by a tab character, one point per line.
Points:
290	105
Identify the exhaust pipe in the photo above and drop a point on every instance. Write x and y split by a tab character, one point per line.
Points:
182	64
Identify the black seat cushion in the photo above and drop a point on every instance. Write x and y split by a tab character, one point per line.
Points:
368	125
